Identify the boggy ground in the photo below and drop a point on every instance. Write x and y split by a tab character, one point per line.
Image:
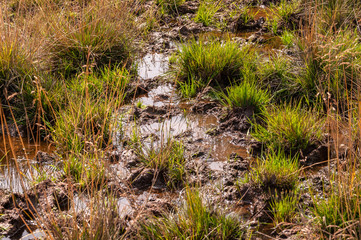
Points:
167	143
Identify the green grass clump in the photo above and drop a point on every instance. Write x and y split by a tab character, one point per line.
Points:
289	127
189	88
335	15
276	171
276	74
331	67
98	37
169	6
281	17
85	170
206	12
284	208
288	39
15	67
16	77
285	9
168	160
213	62
105	83
246	15
83	125
23	88
104	223
193	220
338	214
86	118
247	95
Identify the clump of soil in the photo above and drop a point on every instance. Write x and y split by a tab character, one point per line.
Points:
17	209
236	120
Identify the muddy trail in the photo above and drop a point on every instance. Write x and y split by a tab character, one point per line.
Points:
162	115
217	146
217	155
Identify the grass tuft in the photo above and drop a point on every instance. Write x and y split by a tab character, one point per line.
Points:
206	12
96	37
247	96
338	214
213	62
169	6
276	171
194	220
289	127
284	208
168	160
288	39
86	120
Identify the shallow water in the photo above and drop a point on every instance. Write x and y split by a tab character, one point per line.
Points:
272	44
17	164
152	65
82	203
18	168
217	148
259	12
163	95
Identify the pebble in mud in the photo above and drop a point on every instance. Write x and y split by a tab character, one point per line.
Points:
44	157
188	7
158	207
145	178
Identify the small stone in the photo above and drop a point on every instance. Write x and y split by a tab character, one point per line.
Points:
184	31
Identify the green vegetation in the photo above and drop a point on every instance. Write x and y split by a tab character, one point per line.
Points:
104	223
206	12
247	96
285	9
68	67
246	15
331	68
16	76
98	37
334	15
275	74
288	39
85	170
281	17
195	220
169	6
276	171
338	214
189	88
168	160
289	127
213	63
86	120
140	104
284	208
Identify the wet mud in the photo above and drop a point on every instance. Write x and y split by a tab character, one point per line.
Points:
218	148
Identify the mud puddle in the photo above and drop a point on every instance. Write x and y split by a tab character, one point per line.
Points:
192	129
163	95
17	164
152	65
261	11
268	43
186	126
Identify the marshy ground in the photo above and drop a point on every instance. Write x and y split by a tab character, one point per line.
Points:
180	119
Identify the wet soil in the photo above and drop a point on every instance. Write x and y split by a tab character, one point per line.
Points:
218	149
21	155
